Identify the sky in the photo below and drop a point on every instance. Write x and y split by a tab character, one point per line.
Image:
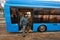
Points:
2	3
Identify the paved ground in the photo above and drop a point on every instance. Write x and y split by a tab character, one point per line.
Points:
31	36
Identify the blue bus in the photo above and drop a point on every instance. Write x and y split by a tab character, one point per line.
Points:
43	15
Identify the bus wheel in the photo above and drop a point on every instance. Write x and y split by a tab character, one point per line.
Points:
42	28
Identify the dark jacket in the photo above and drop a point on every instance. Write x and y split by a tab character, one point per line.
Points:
24	21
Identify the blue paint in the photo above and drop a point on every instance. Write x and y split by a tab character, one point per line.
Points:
9	27
50	26
33	4
36	4
12	28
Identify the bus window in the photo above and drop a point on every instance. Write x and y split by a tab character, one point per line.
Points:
52	18
39	15
38	11
47	16
52	11
46	11
13	14
58	18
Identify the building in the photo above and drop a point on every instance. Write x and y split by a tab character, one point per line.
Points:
2	3
0	6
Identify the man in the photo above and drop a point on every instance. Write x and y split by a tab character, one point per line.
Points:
24	22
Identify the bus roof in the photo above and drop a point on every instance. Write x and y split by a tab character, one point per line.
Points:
35	3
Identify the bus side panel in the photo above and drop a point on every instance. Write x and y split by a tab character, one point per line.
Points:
53	26
35	27
50	26
12	28
9	27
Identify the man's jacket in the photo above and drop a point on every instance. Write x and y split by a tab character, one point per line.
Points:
24	21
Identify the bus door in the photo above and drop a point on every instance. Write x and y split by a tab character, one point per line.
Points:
16	14
28	13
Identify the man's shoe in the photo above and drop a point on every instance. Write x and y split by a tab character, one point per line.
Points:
21	30
30	31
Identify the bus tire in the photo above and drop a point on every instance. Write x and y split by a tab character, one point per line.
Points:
42	28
